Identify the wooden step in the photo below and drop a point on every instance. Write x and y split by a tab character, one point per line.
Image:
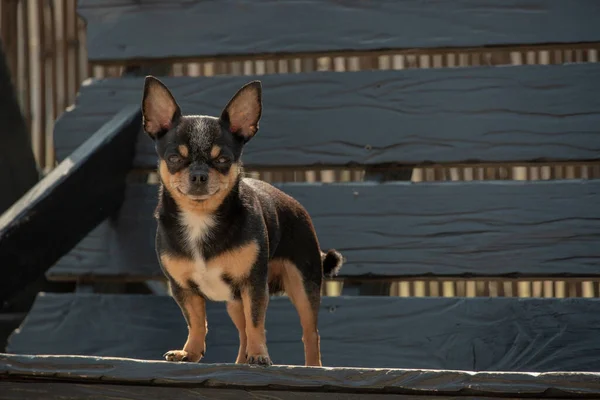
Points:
507	334
490	114
468	229
316	26
59	377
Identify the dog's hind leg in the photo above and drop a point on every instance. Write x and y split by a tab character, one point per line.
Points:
305	294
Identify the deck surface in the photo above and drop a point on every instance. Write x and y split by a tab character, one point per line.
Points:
122	371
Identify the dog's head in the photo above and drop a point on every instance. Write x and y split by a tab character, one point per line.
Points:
199	156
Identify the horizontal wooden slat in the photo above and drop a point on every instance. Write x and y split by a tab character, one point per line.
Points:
62	208
38	389
474	334
127	29
443	115
543	228
464	384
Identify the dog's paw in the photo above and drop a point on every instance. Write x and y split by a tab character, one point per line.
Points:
259	360
181	355
241	359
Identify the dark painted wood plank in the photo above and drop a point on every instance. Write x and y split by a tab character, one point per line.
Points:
411	116
93	253
9	321
127	29
109	371
38	390
480	334
18	169
62	208
492	229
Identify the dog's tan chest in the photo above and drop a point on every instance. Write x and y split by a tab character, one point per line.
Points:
189	272
207	275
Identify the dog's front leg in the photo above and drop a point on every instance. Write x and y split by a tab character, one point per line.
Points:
255	298
193	307
235	309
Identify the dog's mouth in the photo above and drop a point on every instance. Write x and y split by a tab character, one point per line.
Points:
199	198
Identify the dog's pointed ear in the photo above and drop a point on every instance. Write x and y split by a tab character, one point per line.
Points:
159	109
242	113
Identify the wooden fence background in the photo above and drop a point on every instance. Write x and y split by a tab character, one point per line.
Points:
46	46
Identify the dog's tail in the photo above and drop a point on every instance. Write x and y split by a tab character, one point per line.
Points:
332	262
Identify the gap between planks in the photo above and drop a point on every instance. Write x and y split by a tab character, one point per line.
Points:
457	173
412	287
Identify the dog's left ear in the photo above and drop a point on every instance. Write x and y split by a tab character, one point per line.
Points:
242	113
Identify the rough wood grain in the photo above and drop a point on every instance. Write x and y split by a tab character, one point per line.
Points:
337	380
43	390
18	169
411	116
479	334
493	229
61	209
133	29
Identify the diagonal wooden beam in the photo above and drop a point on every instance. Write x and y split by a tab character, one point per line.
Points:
52	217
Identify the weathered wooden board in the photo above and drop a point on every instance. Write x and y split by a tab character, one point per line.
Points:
44	390
38	389
480	334
411	116
18	169
462	384
130	29
543	228
116	371
61	209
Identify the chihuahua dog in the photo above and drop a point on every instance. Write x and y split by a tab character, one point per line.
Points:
223	237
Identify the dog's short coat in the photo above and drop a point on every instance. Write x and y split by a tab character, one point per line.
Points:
227	238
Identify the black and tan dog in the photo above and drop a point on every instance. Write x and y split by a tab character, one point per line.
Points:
227	238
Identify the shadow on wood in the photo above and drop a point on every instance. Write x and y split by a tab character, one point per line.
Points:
41	390
18	170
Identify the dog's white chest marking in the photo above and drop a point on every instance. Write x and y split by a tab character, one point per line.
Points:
210	281
208	278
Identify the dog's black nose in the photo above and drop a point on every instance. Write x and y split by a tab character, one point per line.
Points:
198	176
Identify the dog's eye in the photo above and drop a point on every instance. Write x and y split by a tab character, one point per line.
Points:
174	159
222	160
